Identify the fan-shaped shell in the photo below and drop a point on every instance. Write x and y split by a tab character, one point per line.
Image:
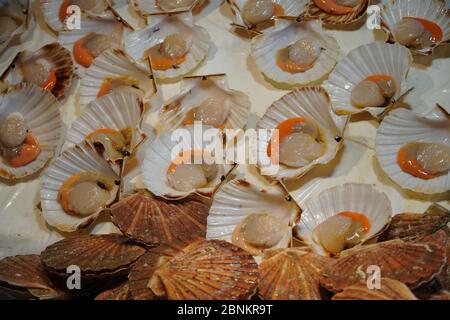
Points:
402	126
56	56
120	292
138	42
158	158
41	112
238	199
207	270
390	290
78	159
413	226
109	27
27	273
151	7
51	11
96	255
353	197
358	12
311	103
117	110
367	60
155	221
140	275
115	63
432	10
265	48
291	274
19	11
291	8
412	263
197	89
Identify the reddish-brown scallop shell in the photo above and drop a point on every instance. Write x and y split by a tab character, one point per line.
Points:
207	270
95	255
155	221
291	274
120	292
412	263
390	290
26	272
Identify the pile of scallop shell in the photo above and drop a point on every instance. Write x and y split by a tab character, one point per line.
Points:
195	230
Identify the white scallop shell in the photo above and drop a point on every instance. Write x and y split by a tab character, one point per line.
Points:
138	42
117	110
115	63
78	159
50	10
353	197
40	110
158	158
402	126
367	60
265	47
16	9
197	89
291	8
109	27
149	7
432	10
58	57
310	103
237	199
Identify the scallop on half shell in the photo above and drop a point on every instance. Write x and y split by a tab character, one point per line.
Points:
253	217
207	99
369	78
174	44
97	256
151	7
309	133
295	53
50	68
76	188
111	125
291	274
206	270
414	150
390	290
342	217
141	215
112	71
55	12
337	12
180	163
421	25
25	273
30	130
252	17
412	263
92	38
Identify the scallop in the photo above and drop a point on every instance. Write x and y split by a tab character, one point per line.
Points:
420	25
367	94
174	46
168	5
257	11
50	68
14	23
300	149
13	130
207	99
186	177
304	52
433	158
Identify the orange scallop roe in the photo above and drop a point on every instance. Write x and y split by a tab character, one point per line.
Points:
103	130
432	27
81	54
29	151
284	128
184	157
412	166
162	63
359	217
106	86
64	192
63	10
331	7
51	82
379	77
277	10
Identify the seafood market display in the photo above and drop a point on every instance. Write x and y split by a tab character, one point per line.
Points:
224	150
